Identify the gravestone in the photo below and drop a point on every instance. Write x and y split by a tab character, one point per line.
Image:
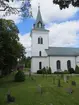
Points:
73	83
39	89
65	78
10	98
69	90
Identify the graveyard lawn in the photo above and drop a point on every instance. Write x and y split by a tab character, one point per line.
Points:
27	93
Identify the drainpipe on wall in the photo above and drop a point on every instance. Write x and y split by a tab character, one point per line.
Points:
49	61
75	61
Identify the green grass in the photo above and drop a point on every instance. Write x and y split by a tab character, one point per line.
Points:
26	93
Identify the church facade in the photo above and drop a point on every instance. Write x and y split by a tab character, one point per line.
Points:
58	58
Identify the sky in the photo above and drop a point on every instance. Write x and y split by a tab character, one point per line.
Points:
63	25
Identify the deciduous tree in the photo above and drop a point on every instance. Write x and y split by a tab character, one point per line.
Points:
10	47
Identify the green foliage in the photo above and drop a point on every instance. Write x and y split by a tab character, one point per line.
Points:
20	76
66	72
10	47
62	72
52	95
49	70
56	72
39	71
28	62
77	70
44	71
71	70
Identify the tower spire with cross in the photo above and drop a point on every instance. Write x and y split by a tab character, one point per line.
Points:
39	22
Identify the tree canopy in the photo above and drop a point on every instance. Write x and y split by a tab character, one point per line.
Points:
65	3
24	10
10	47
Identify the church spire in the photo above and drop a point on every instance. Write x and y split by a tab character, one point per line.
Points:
39	22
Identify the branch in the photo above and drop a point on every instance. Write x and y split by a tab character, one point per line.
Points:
3	9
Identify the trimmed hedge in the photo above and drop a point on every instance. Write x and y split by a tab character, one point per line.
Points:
62	72
44	71
19	76
71	70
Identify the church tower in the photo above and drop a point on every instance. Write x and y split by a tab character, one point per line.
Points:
40	42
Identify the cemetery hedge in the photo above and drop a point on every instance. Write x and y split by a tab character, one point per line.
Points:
44	71
26	92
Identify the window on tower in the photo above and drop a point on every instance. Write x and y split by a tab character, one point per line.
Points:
39	53
39	24
40	40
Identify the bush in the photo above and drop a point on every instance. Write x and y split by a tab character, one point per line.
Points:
39	71
19	76
77	70
44	71
49	70
56	72
65	72
71	70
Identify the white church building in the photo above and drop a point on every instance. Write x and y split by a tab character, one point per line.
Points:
58	58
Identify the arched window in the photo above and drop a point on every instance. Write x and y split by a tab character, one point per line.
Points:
39	53
40	65
40	40
58	65
39	24
68	64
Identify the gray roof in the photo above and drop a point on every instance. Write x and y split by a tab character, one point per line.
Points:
62	51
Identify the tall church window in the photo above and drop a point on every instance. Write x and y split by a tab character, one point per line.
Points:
58	65
40	65
68	64
39	53
40	40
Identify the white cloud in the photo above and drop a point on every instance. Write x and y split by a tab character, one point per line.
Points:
16	18
63	34
26	41
51	12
